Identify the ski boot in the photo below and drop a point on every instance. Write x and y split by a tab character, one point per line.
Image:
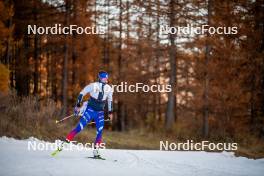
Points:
96	153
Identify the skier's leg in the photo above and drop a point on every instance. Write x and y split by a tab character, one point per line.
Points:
85	119
99	122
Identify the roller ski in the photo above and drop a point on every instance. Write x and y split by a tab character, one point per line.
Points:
96	154
59	148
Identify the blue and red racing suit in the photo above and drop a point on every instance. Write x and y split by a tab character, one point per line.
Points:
93	109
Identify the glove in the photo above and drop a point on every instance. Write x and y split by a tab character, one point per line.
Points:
76	111
110	116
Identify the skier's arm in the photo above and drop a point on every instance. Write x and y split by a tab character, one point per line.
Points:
110	106
86	89
110	102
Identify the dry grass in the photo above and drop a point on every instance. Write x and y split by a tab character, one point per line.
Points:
25	117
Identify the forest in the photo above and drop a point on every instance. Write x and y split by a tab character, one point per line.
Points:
217	80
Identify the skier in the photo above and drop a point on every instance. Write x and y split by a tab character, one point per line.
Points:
100	92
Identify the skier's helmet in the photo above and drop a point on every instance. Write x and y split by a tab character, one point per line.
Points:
103	76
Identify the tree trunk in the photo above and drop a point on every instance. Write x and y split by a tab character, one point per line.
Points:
36	39
65	63
74	54
171	113
120	118
206	77
22	73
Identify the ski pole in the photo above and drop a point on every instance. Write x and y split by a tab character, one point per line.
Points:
107	120
65	118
